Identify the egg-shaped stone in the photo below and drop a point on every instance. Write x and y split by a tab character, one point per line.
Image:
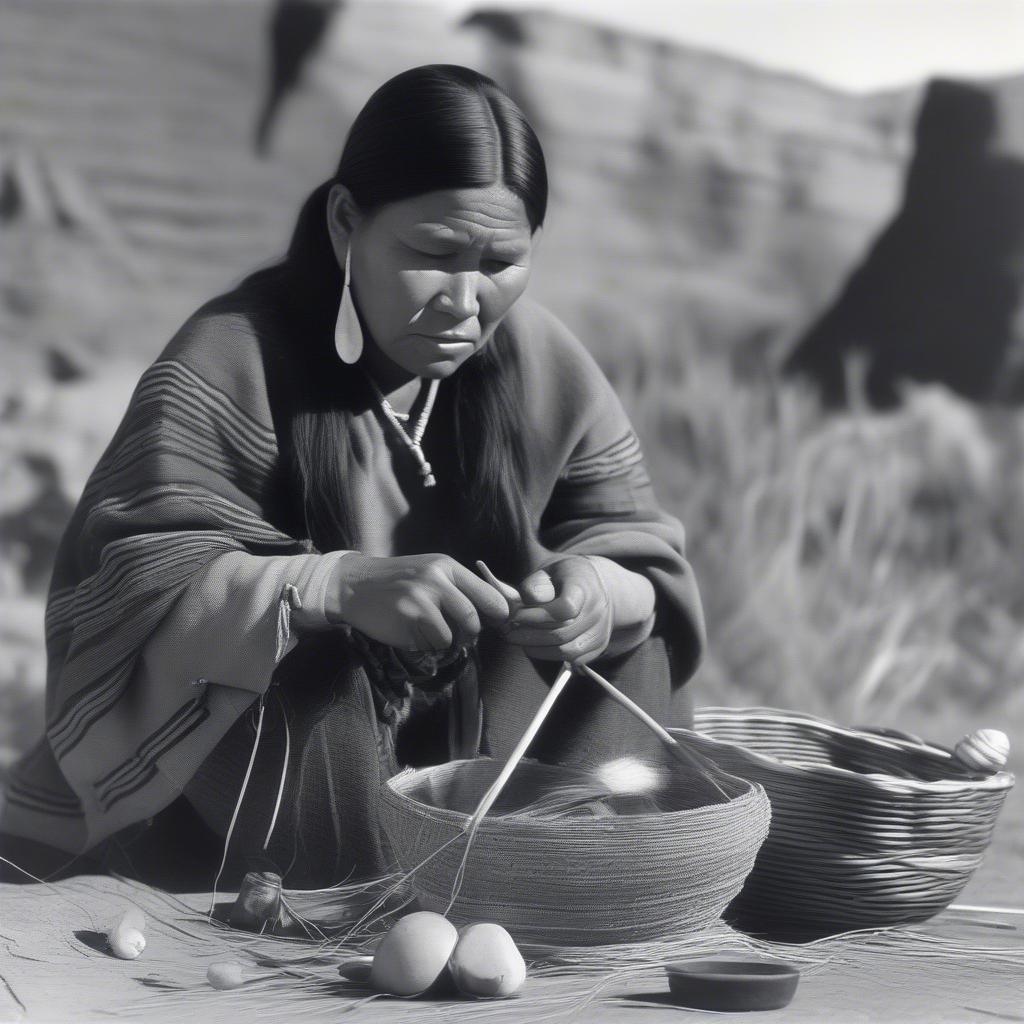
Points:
133	918
487	962
126	943
413	954
984	751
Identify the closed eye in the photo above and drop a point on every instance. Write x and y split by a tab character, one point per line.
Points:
437	254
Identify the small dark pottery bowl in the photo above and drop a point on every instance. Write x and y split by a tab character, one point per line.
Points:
732	984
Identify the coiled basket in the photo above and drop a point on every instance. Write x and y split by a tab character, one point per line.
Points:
867	830
574	880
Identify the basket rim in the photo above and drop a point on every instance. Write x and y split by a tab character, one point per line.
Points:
1001	780
805	718
754	791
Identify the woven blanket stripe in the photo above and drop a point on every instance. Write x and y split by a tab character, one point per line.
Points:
174	411
162	560
154	553
234	421
27	794
175	434
186	451
603	471
624	443
133	774
20	796
189	476
160	508
178	441
615	460
127	768
97	665
36	784
122	567
608	450
106	693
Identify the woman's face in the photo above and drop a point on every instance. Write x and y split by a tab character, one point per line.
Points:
433	275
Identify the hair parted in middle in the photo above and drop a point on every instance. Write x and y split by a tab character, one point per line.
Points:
440	126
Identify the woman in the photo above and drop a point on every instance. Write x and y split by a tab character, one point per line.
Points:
266	600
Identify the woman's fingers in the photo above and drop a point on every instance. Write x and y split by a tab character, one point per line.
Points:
454	615
415	602
540	636
424	627
563	609
581	649
487	600
570	600
507	591
430	631
574	625
459	612
540	616
538	587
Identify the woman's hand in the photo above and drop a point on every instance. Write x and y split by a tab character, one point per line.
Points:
412	602
567	614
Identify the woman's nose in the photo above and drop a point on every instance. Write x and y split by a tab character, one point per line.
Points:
459	298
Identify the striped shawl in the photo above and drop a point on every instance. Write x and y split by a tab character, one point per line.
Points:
194	471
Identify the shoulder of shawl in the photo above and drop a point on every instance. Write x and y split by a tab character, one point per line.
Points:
534	329
562	380
226	345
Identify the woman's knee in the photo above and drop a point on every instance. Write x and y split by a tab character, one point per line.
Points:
648	675
587	724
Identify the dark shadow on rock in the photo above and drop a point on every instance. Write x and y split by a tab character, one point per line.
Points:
936	296
64	367
31	534
504	26
295	30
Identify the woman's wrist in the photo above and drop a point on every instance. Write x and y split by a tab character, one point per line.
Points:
631	594
322	600
339	588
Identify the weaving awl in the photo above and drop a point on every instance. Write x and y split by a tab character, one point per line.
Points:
675	748
498	785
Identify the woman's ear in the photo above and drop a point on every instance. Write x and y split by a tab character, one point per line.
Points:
343	218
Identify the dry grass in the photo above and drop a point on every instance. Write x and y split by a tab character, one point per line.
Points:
861	566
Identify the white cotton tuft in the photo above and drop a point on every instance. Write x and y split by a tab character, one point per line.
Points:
629	776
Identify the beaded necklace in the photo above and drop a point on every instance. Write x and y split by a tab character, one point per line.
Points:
411	439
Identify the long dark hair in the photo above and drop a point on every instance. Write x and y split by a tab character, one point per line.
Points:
433	127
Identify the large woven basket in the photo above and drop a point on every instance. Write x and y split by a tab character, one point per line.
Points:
867	830
575	880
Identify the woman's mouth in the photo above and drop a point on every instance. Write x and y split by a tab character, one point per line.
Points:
447	342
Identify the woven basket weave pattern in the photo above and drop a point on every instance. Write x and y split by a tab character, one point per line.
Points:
866	830
577	880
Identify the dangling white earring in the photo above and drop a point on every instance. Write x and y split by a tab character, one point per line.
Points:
348	333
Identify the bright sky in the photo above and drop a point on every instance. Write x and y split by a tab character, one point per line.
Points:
853	44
